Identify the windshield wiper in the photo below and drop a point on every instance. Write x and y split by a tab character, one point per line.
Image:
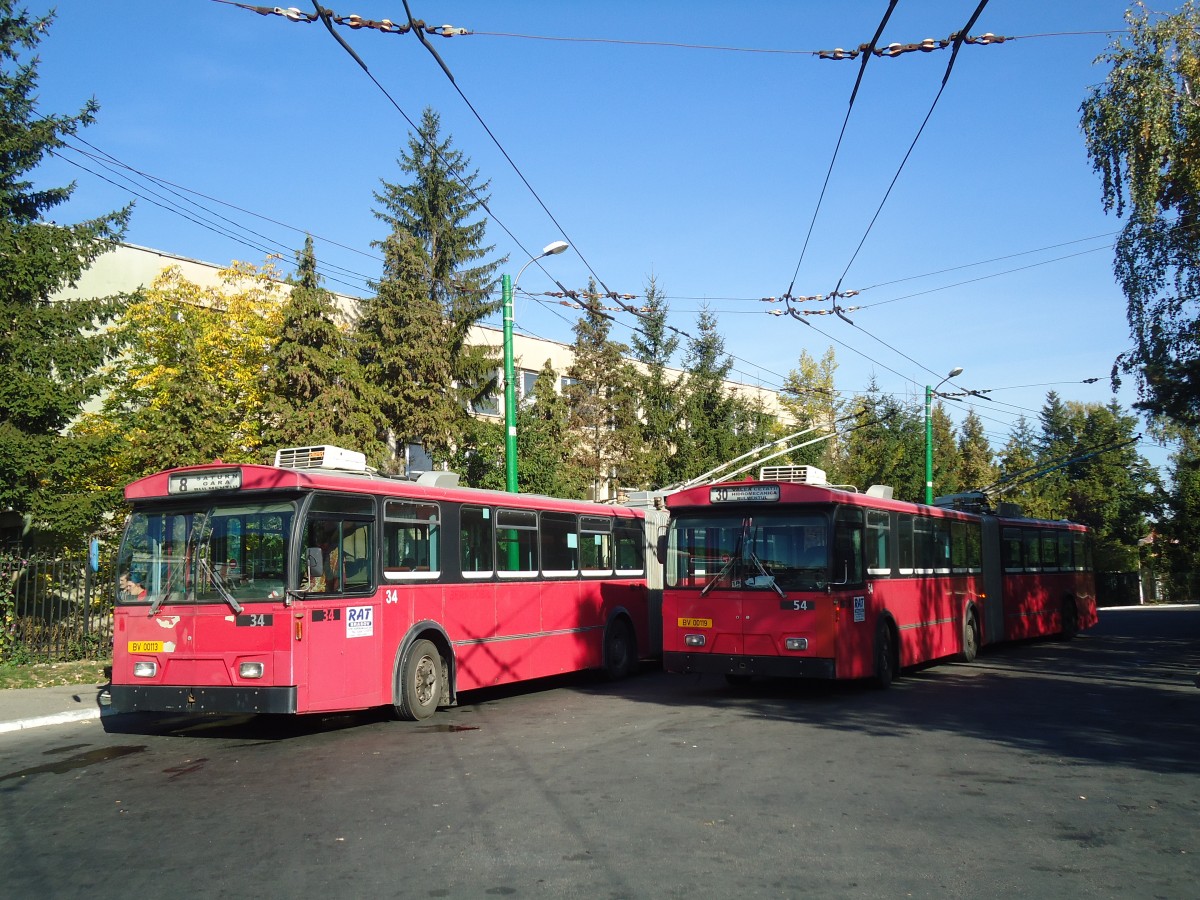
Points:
765	574
219	583
733	558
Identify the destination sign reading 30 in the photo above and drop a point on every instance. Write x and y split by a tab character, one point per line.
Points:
744	493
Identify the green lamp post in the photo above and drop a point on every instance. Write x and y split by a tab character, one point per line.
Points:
507	288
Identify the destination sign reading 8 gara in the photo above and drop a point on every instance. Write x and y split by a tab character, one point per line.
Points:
199	482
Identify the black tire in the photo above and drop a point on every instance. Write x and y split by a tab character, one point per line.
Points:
885	656
422	682
620	649
1070	619
970	644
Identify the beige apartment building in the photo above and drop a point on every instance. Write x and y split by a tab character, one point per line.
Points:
130	267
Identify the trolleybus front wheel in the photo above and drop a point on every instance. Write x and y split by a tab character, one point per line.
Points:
422	681
886	661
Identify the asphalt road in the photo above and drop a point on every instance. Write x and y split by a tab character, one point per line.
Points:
1043	770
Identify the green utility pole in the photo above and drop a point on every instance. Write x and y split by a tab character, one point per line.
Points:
510	390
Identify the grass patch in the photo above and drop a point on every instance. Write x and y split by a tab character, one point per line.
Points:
36	675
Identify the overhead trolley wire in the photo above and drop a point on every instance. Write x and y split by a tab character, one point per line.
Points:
828	172
945	78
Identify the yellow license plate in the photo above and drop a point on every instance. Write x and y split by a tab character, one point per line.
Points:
695	623
145	646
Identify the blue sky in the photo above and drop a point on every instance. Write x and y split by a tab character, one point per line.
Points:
702	167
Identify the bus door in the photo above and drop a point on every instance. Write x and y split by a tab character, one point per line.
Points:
338	612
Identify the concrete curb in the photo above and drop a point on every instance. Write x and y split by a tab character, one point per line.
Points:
81	715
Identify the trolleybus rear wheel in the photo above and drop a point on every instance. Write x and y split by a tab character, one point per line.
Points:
422	679
1070	619
620	649
970	647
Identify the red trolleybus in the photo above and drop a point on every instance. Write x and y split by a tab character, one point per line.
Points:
809	580
314	585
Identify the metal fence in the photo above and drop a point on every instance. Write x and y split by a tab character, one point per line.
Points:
54	610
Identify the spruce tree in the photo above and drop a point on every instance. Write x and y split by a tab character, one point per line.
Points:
601	401
436	262
404	356
51	353
315	390
545	463
709	412
1018	458
654	345
978	469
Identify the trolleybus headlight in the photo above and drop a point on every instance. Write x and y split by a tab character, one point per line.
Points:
145	669
251	670
797	643
693	640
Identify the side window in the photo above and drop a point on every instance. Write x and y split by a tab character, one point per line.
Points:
958	546
516	542
411	539
879	535
1064	551
1049	551
974	547
595	544
475	541
848	546
923	548
940	529
630	541
1010	547
1033	551
560	544
904	544
339	546
1081	557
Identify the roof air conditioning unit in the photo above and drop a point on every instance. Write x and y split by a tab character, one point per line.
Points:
321	457
793	474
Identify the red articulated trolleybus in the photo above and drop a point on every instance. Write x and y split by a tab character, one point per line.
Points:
315	585
805	579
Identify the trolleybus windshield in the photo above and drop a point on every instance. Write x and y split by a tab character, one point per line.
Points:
229	553
763	551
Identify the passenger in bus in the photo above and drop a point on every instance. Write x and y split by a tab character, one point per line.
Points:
132	587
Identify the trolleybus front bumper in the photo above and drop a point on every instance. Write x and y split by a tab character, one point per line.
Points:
766	666
127	698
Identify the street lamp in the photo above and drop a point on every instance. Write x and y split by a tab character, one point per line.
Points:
929	392
510	387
